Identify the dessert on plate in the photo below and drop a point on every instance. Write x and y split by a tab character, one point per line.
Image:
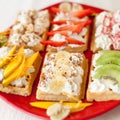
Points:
18	69
70	28
30	29
62	80
63	74
106	33
104	79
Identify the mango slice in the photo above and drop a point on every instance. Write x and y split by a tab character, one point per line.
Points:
79	106
18	66
5	60
14	63
43	105
74	106
32	59
16	74
29	62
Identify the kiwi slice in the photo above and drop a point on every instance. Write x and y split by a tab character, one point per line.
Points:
110	70
108	60
106	55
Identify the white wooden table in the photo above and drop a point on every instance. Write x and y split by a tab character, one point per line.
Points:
8	10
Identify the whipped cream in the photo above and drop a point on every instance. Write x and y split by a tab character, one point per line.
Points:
100	18
116	29
58	37
103	84
96	56
28	52
77	37
108	30
103	42
18	28
15	39
99	30
20	82
67	75
100	86
117	16
1	74
4	51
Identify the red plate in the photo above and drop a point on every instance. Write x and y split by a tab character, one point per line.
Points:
23	102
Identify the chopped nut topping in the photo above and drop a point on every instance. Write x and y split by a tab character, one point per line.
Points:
30	25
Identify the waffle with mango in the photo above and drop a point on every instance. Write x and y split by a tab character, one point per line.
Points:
18	70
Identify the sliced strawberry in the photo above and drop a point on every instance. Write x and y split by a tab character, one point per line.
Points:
53	43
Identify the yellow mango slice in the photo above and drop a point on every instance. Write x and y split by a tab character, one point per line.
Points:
32	59
74	106
16	74
20	51
79	106
43	105
71	96
5	60
14	63
29	62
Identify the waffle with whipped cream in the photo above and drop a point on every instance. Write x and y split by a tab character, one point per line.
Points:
30	29
106	33
104	78
73	40
62	74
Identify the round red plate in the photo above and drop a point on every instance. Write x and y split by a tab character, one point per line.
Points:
23	102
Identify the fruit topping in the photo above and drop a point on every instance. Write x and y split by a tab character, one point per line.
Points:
5	60
109	70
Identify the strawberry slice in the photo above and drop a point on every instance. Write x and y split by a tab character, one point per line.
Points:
59	22
53	43
73	28
51	33
56	10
